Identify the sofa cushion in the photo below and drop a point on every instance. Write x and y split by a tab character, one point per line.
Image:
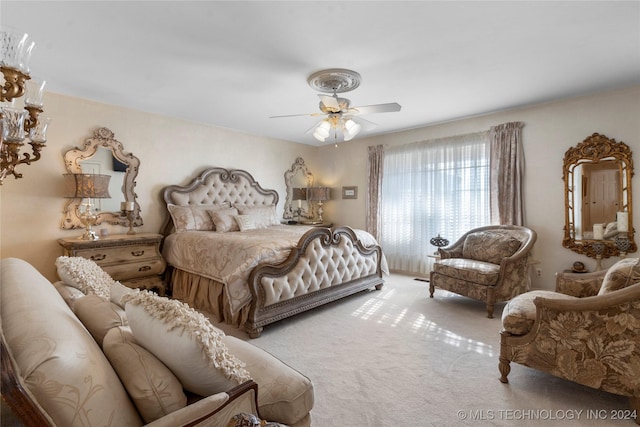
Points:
153	388
68	293
62	366
284	394
519	314
490	246
186	342
623	273
480	272
118	292
84	274
99	316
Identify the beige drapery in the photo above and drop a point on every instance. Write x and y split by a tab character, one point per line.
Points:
374	180
507	171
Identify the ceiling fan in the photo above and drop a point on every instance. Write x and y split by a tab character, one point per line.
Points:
338	112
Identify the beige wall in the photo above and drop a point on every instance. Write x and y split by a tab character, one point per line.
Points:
550	129
171	151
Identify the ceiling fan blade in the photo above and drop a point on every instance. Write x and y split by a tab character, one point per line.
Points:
299	115
330	102
377	108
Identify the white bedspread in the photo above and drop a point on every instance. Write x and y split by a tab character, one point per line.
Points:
229	257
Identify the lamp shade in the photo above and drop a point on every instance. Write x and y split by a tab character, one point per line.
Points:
83	185
319	194
299	194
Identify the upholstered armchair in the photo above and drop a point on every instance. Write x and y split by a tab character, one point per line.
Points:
489	264
588	331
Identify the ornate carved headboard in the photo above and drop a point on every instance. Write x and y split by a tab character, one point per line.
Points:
217	185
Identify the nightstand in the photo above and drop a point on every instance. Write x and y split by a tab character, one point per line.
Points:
134	260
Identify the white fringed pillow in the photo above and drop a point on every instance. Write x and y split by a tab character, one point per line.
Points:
85	275
185	341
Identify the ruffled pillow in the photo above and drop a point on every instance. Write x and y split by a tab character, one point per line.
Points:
185	341
85	275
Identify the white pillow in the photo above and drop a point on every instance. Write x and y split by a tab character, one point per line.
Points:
85	275
247	222
186	342
118	291
267	213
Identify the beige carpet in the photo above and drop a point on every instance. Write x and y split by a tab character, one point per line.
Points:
398	358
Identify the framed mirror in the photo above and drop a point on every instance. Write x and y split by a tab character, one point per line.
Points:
297	178
103	154
598	199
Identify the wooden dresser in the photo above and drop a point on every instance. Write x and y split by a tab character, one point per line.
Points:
134	260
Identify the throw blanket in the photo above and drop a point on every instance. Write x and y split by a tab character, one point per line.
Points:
229	257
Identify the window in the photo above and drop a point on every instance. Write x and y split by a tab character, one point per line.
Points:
430	188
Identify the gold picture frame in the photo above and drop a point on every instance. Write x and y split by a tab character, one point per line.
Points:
350	192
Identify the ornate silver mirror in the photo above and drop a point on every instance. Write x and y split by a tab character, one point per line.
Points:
103	154
297	180
598	208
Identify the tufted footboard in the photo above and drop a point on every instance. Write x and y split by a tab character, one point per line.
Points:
326	265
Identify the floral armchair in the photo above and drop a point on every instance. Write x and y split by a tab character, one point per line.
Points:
489	264
588	331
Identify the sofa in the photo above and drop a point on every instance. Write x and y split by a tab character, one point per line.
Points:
586	331
59	370
488	263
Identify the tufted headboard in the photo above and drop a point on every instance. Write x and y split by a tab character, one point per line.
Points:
217	185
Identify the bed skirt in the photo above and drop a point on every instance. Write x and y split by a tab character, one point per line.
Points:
206	295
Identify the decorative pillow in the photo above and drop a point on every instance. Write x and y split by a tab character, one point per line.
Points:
249	222
69	294
118	291
266	213
154	389
224	220
489	246
623	273
84	274
186	342
99	316
194	217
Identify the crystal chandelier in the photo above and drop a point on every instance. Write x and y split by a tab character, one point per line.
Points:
20	122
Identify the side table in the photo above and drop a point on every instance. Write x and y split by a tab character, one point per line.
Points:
132	259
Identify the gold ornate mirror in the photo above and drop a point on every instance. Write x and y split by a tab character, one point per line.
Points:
597	191
298	177
103	154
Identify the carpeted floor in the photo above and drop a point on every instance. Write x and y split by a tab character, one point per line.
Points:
398	358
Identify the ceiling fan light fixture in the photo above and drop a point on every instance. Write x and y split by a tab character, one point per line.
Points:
351	129
322	131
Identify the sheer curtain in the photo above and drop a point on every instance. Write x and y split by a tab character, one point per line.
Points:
429	188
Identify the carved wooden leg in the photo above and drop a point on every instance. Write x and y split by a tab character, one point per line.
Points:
378	287
504	367
254	332
490	310
431	289
634	402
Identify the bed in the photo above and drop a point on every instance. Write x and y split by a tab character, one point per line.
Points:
229	255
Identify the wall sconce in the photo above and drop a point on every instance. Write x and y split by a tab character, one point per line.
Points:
19	124
320	195
87	187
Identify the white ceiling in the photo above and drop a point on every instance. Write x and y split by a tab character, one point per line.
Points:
235	64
